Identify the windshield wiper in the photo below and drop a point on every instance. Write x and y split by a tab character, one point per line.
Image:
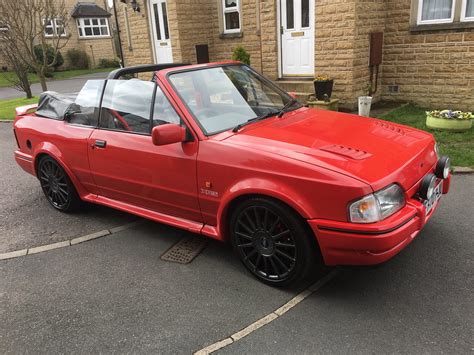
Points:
286	107
255	119
268	114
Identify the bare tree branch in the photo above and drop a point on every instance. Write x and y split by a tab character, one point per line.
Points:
27	21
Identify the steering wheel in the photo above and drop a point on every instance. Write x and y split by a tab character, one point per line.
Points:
120	119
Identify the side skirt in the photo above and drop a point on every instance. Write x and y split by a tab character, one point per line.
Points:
186	224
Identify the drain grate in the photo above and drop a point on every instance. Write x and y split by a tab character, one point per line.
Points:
185	250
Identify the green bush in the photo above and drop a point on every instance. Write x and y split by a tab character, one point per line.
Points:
241	55
49	55
78	58
109	63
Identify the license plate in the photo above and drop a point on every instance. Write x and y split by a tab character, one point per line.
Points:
438	191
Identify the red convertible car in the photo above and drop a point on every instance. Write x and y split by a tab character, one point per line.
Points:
218	149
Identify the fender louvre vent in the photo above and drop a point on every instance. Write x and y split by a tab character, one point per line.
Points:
352	153
390	127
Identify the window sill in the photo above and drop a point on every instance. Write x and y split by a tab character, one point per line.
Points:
94	37
442	27
231	35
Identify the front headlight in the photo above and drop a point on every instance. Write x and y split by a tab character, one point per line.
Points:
377	206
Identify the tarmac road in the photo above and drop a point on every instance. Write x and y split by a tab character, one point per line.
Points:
63	86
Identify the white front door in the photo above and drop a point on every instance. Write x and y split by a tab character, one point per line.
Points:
297	37
160	31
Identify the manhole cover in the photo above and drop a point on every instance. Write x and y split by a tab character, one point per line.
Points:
185	250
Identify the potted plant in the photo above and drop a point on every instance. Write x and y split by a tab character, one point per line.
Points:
323	87
448	120
365	102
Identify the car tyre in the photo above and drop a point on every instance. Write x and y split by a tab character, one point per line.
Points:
57	186
273	242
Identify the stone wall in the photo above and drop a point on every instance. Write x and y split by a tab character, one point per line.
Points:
370	17
134	34
334	45
432	68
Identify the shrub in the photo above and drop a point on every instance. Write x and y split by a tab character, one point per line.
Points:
241	55
49	55
78	58
109	63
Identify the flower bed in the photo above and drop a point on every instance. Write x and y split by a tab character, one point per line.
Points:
447	120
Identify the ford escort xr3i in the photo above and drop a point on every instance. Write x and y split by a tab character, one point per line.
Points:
219	150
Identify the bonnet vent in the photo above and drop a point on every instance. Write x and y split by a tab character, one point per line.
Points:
390	127
352	153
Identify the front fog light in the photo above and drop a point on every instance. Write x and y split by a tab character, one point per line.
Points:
443	167
427	186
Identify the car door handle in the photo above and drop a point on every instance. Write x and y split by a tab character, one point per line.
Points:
100	143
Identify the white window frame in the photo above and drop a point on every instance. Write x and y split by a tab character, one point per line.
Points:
225	10
428	22
81	26
464	18
54	26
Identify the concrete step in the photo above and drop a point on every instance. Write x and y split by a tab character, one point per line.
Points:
296	85
302	88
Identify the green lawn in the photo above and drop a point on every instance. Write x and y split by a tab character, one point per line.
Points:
459	146
56	75
7	107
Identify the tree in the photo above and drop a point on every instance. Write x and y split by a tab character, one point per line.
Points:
28	21
21	82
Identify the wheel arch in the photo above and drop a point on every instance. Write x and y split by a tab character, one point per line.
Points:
225	233
236	195
48	149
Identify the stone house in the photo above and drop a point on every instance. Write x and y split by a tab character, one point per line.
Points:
89	29
411	50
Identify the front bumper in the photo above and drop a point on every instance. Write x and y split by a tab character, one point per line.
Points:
344	243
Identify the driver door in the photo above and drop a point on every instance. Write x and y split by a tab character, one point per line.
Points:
127	167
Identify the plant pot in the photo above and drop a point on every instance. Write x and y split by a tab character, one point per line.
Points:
365	102
448	125
322	88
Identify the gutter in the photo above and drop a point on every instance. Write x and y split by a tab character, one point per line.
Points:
117	26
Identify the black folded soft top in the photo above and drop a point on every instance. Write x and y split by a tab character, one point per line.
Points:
55	105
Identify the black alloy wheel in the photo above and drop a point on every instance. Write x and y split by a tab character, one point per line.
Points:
56	185
271	241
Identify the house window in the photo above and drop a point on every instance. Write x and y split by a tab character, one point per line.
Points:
467	12
93	27
444	11
435	11
54	27
231	15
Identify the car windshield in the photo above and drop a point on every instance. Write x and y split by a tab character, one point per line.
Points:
221	98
